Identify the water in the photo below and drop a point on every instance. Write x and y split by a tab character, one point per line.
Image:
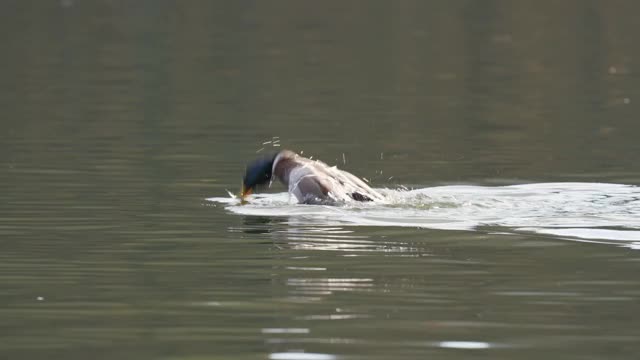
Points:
511	127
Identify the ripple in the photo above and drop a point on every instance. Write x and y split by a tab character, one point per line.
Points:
301	356
285	331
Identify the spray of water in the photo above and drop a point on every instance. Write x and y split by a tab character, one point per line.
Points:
607	213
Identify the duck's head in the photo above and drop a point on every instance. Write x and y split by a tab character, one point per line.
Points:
258	173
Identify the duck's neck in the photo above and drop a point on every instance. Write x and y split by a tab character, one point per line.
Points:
283	163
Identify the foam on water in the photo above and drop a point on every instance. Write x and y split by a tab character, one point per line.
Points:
608	213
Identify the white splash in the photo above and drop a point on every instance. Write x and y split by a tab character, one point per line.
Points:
600	212
463	345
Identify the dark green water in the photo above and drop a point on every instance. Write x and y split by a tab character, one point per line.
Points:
120	118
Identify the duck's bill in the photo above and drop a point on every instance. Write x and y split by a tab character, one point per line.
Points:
244	192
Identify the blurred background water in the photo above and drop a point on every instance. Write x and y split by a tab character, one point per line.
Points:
119	119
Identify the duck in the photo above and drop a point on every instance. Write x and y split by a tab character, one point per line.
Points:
310	181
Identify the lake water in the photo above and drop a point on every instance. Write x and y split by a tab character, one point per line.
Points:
504	134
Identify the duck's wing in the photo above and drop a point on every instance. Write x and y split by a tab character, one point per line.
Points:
342	185
356	188
311	189
309	186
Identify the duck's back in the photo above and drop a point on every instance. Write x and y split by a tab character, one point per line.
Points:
312	181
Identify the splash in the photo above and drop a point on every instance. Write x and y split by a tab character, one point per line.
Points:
598	212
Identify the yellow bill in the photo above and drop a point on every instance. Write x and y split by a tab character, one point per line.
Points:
244	192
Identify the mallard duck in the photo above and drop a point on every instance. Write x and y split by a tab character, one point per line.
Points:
310	181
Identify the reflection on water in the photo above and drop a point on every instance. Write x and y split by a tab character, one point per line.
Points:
299	232
256	225
326	286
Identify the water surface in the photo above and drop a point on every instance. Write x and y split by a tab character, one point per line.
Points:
512	126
